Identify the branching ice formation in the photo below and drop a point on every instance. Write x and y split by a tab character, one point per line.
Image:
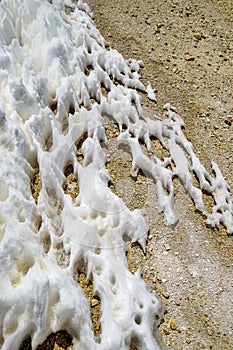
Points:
58	87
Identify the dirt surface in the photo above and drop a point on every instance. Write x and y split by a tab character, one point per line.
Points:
187	50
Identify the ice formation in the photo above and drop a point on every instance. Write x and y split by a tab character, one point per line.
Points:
58	85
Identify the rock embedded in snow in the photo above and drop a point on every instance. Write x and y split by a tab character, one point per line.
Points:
58	86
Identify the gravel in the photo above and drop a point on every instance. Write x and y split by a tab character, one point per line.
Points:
187	50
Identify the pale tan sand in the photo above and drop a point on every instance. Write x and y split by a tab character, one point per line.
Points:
187	50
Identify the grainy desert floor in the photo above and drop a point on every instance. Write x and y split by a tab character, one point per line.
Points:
187	50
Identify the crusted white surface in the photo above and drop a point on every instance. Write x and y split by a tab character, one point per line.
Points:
48	57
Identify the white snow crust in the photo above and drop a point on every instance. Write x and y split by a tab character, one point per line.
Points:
53	69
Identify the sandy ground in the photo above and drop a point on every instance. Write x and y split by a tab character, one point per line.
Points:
187	50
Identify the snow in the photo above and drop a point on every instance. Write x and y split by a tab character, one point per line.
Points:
53	70
150	92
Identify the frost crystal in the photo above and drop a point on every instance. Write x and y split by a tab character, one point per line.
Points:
60	88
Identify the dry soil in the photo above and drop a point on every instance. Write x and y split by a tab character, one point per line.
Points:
187	50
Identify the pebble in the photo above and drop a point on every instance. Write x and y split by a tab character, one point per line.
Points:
230	118
187	339
56	347
172	325
165	294
198	36
228	122
166	331
160	25
94	302
189	58
194	273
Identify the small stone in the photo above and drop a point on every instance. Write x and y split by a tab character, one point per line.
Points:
56	347
172	325
165	294
198	36
167	246
97	326
94	302
194	273
228	122
189	58
166	331
187	339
